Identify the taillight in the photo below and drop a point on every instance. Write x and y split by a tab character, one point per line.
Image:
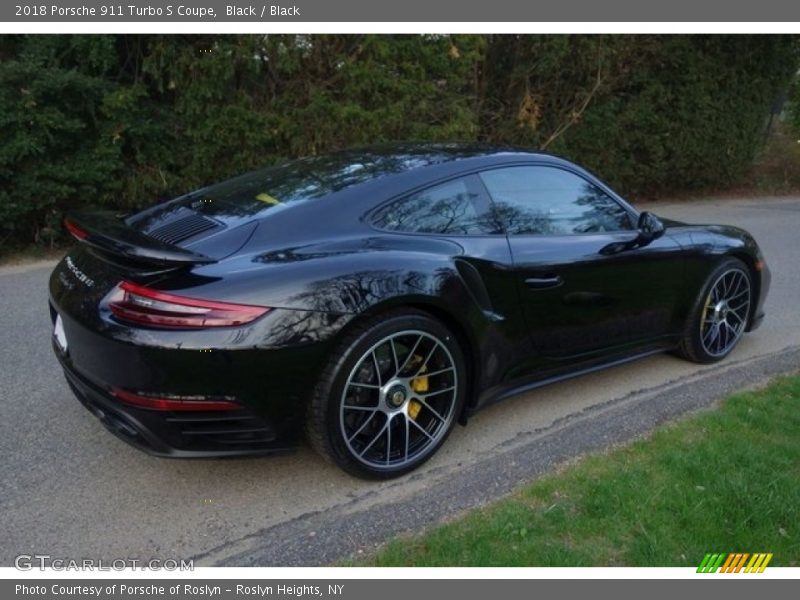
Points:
140	304
77	232
172	402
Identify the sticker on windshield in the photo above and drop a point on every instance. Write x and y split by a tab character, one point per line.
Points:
264	197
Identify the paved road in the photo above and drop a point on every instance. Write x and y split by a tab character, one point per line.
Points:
70	489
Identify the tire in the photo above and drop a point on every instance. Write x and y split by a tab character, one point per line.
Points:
720	314
389	396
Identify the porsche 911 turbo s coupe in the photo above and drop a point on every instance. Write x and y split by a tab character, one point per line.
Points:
375	298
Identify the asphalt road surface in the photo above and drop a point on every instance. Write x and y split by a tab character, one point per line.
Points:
70	489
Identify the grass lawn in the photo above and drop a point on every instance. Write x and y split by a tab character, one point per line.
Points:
726	480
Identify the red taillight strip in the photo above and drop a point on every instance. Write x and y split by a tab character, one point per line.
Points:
218	314
157	403
140	290
76	232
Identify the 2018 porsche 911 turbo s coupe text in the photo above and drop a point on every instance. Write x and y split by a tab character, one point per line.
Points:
374	298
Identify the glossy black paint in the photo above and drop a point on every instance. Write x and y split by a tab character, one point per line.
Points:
527	309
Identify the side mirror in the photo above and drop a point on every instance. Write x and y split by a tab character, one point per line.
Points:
650	227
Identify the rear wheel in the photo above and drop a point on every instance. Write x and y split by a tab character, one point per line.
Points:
389	397
720	314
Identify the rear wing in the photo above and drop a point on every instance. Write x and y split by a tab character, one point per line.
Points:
107	232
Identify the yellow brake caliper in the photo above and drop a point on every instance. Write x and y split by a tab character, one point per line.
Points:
420	385
705	314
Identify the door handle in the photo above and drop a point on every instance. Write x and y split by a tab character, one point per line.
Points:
540	283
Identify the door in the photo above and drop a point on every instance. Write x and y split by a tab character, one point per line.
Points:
586	288
459	210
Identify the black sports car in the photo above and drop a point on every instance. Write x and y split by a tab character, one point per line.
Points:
376	297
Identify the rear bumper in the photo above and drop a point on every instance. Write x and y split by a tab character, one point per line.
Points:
269	367
184	434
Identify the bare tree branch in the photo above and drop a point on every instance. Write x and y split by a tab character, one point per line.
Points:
576	113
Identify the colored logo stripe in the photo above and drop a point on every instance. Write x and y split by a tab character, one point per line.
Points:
758	563
711	563
734	562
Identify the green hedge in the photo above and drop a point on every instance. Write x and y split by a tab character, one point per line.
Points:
125	121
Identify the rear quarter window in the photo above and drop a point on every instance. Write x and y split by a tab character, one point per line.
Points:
457	207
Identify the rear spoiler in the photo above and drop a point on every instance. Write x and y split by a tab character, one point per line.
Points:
107	232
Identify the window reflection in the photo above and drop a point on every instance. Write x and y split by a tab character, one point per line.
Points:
551	201
455	208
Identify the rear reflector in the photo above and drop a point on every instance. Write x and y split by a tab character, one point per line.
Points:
76	232
140	304
170	402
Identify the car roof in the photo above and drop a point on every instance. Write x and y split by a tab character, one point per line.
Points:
389	158
402	165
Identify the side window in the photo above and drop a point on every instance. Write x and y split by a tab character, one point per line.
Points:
551	201
457	207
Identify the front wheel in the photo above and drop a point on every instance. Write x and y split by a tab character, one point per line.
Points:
720	315
389	397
